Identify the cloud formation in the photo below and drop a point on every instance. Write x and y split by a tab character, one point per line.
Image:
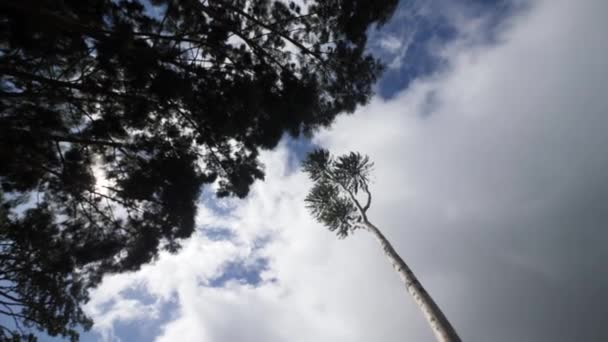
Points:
491	180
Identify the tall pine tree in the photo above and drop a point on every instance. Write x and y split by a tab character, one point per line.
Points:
334	201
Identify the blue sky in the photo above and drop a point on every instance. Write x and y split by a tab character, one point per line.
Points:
488	136
418	27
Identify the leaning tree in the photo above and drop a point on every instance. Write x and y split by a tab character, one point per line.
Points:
334	201
115	113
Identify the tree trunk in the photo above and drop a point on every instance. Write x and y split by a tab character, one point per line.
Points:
443	330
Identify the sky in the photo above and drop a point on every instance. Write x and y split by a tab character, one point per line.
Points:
488	134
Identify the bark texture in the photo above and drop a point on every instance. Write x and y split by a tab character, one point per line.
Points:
442	329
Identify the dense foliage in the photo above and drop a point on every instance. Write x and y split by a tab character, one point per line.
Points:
115	113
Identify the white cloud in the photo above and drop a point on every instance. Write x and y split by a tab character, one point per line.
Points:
496	197
397	47
391	43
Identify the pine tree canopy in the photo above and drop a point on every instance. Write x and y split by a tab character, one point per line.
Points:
114	114
336	183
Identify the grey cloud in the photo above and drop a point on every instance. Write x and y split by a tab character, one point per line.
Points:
502	200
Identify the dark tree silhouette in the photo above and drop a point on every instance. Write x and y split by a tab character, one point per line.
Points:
115	113
334	201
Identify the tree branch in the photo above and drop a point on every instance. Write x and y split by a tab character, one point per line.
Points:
352	198
269	27
369	198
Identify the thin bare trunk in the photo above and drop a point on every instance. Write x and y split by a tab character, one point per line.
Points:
443	330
